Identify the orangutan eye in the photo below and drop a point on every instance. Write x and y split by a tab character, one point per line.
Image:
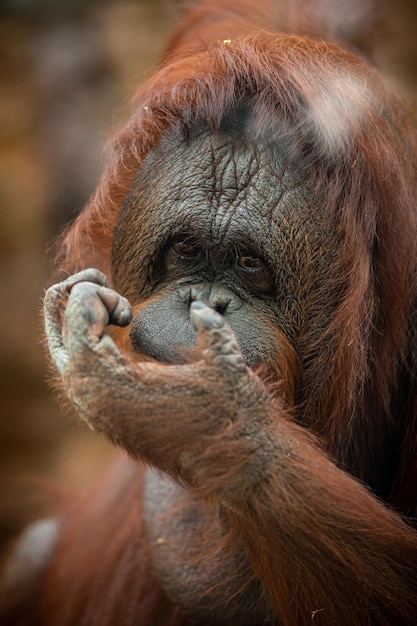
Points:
254	271
250	263
186	247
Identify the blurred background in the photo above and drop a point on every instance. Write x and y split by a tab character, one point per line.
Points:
67	71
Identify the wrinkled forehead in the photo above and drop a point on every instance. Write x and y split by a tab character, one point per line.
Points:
219	184
229	194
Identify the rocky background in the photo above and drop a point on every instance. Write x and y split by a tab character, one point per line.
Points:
67	71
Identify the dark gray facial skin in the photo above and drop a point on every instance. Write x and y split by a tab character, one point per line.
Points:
226	221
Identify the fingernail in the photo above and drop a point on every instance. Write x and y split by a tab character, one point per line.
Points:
198	305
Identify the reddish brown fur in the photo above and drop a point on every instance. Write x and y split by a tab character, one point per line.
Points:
376	173
369	182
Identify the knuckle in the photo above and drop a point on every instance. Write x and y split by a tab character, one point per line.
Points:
94	275
55	291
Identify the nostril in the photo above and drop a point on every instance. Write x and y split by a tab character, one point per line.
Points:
220	308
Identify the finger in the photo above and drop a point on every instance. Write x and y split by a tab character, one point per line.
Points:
55	343
118	307
89	275
216	340
63	288
54	307
54	296
90	308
